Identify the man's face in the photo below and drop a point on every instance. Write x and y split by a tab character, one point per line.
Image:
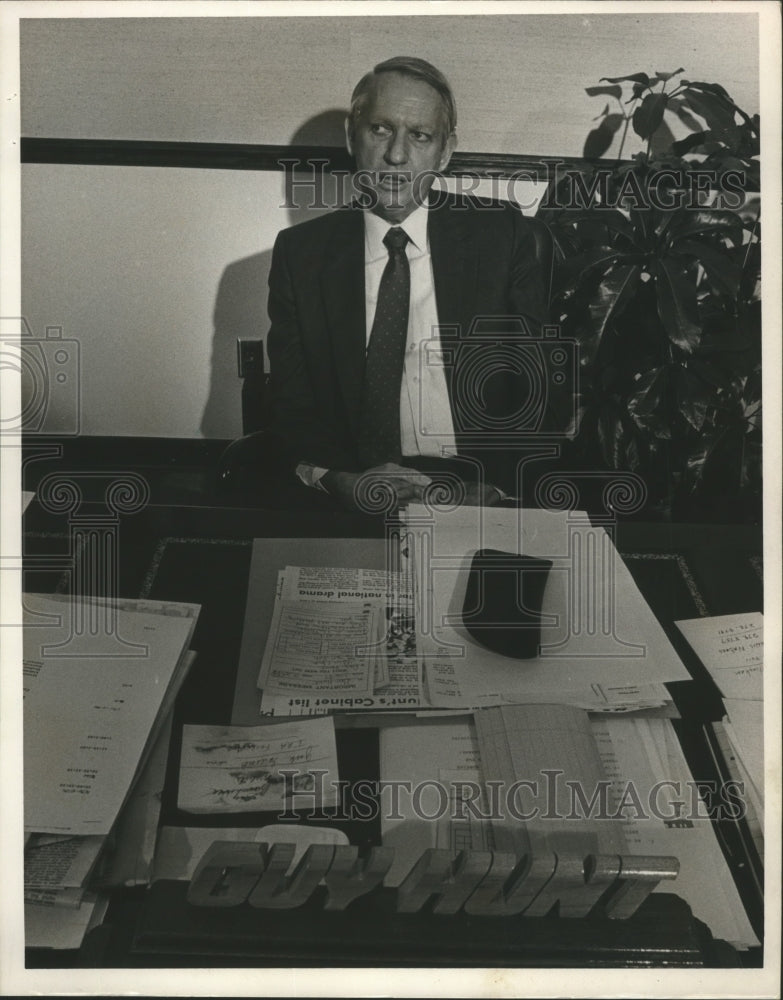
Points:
399	143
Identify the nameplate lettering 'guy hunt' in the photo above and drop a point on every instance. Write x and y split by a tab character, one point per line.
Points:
481	883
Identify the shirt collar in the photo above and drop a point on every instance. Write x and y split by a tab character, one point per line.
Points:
375	228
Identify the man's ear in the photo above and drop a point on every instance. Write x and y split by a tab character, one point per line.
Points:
448	148
348	137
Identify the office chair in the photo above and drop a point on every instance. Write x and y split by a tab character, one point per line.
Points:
249	457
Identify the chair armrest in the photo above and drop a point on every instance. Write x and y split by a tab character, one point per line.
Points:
248	462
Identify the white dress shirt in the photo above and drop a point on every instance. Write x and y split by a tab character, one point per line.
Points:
426	425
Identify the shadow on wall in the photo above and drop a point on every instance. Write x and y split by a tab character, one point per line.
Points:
240	304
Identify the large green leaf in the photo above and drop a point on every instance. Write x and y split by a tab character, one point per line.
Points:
647	393
647	402
732	135
718	265
699	456
661	141
661	221
616	222
591	232
571	271
747	170
728	348
600	225
679	107
752	415
636	77
713	109
693	397
643	223
687	224
711	88
612	296
663	77
649	115
614	433
677	304
709	373
691	143
563	245
632	457
749	259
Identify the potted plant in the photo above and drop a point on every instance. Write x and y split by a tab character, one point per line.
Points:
658	281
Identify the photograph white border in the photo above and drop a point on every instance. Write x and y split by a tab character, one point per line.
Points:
14	979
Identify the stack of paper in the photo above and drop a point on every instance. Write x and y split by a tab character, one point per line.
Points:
99	685
652	806
340	639
347	640
601	646
731	647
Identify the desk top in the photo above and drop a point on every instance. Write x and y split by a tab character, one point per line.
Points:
202	555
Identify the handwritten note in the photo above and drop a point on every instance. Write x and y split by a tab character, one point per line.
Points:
250	768
731	647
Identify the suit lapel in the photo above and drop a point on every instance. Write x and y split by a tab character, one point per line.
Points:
455	269
343	296
453	265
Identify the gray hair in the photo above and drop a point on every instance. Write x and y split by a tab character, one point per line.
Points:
411	66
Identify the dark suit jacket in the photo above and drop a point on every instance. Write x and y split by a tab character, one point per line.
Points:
484	268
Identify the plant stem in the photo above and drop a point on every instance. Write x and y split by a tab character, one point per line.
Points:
625	133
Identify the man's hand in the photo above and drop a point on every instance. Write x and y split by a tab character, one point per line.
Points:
387	487
481	495
378	490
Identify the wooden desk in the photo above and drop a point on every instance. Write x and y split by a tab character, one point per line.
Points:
202	555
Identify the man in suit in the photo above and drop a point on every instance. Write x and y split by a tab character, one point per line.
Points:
382	368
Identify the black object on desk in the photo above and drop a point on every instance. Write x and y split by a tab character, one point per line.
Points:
503	598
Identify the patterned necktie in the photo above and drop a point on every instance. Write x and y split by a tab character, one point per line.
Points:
379	433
